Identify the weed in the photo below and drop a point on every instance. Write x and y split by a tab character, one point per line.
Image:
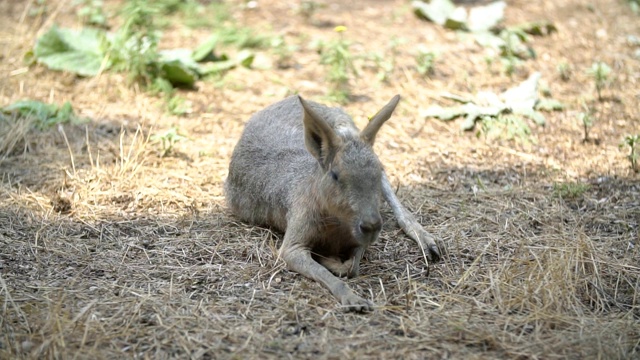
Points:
177	105
92	12
134	50
425	61
506	126
570	190
633	142
564	70
283	52
587	119
308	8
513	50
600	72
168	139
242	37
337	57
43	115
384	64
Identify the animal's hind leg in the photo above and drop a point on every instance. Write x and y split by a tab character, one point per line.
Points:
408	222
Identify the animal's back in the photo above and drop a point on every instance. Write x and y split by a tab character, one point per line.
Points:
270	162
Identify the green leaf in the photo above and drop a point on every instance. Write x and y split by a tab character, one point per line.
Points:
538	28
245	58
32	108
457	20
204	52
80	52
217	67
443	113
536	116
45	115
549	105
437	11
524	96
488	39
475	112
484	18
183	56
178	73
179	67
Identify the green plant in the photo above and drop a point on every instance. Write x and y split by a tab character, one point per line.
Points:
633	142
283	52
91	12
177	105
570	190
168	139
43	115
337	57
587	119
425	61
513	49
600	72
308	8
564	69
191	13
135	47
507	126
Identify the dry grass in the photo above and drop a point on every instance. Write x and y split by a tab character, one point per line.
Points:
108	250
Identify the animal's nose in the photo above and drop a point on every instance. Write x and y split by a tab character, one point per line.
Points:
371	225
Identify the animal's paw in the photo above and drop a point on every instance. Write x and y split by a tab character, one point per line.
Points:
425	240
337	267
353	302
429	244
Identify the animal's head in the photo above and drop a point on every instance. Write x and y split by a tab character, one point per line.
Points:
351	184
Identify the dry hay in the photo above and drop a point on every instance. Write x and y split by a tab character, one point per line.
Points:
109	250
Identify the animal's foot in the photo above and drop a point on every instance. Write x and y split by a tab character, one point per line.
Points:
425	240
353	302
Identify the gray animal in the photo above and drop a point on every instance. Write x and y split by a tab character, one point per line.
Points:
305	169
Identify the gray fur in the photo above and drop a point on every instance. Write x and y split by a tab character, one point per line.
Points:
283	174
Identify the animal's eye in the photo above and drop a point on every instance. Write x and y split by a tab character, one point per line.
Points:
334	175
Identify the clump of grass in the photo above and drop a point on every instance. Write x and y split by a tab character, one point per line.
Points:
135	50
167	140
513	50
570	190
308	8
335	55
42	115
92	12
633	143
425	62
508	126
600	72
564	70
587	119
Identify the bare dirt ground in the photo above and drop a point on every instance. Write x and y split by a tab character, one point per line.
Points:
109	250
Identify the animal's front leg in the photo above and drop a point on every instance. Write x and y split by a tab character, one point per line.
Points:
298	258
408	222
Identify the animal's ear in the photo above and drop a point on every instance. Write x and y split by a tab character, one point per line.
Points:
368	134
320	139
